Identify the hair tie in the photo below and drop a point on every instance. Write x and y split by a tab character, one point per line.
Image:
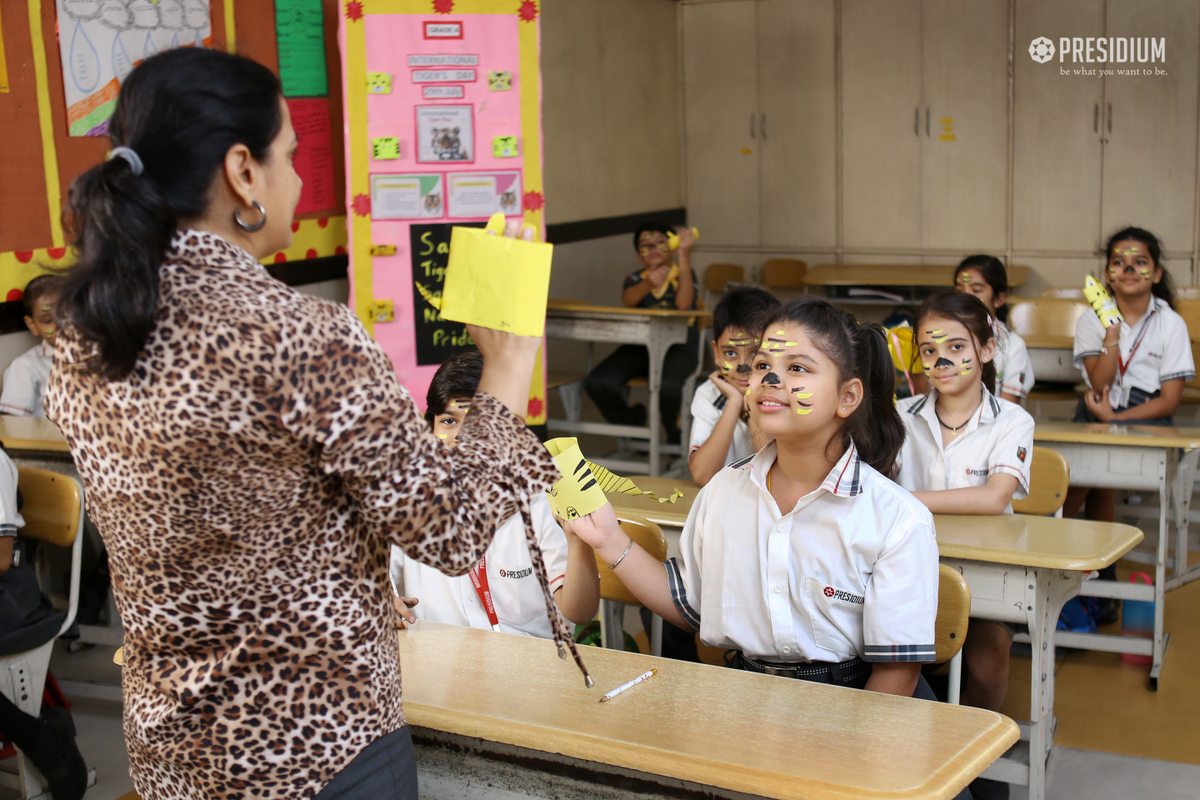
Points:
130	156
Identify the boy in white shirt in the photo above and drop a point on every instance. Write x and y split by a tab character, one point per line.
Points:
26	377
721	432
505	573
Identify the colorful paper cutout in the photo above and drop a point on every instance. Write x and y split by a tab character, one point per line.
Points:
407	197
580	490
482	194
499	80
314	158
1101	303
504	146
383	249
382	310
379	83
300	35
385	148
497	282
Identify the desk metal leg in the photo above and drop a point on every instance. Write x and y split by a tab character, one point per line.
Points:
658	355
612	625
1181	491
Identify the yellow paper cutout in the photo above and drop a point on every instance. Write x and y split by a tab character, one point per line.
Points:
434	300
504	146
382	310
499	81
497	282
948	137
3	65
383	249
1101	303
385	148
906	337
673	238
379	83
580	490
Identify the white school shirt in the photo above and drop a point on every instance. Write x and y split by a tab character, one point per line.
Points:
518	599
1157	350
1014	370
851	571
25	382
708	405
997	439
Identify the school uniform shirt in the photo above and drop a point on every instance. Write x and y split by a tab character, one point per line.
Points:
997	439
852	570
25	382
518	599
1014	370
1155	350
708	405
670	289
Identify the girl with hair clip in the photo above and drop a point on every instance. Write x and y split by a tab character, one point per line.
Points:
1135	370
805	560
967	452
985	277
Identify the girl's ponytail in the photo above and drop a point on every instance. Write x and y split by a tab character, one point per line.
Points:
875	426
177	116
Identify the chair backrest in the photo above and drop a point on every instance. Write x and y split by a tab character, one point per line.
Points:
650	538
784	273
1049	477
954	607
717	275
52	506
1045	316
1063	293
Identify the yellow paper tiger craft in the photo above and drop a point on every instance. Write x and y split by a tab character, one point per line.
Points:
1102	304
580	490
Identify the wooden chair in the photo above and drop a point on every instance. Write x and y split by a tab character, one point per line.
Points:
53	513
950	627
1045	316
784	273
1062	293
569	386
717	275
1049	477
613	594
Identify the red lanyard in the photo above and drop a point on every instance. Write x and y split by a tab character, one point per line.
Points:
478	575
1124	365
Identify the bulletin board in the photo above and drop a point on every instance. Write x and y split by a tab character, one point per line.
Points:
443	128
55	119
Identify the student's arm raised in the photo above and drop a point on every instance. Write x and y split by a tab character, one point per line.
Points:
685	297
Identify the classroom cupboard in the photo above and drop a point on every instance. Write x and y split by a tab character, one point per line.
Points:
760	122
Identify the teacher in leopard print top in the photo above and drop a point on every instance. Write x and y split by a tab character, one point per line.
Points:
249	455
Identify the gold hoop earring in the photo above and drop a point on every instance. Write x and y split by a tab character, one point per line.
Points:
257	226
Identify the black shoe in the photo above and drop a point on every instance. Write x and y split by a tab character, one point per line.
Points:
57	757
988	789
1110	610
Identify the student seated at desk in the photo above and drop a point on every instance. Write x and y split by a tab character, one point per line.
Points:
662	282
966	452
805	560
49	740
506	570
1136	369
986	278
26	377
720	416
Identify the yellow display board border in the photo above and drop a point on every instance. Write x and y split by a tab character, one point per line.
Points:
355	13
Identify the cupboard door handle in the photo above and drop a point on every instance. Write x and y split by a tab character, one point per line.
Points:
927	122
1110	117
916	122
751	124
1096	119
763	126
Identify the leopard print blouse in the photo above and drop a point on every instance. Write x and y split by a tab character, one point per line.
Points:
247	478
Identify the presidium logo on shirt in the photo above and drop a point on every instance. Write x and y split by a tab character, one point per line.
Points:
1021	454
841	594
516	574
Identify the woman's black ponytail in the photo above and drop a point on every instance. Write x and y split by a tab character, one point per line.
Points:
860	351
179	112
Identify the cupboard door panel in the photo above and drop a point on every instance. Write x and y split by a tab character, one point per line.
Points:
720	76
965	194
1056	138
1150	152
798	105
881	138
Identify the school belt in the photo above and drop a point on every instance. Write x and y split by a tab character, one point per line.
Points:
854	672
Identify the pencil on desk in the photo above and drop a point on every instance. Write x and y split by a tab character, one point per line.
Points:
644	676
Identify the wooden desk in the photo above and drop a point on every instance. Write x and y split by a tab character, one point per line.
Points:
1133	457
664	515
656	329
729	729
1052	358
31	435
1022	569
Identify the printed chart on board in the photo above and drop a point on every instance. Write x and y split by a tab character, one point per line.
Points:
443	129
